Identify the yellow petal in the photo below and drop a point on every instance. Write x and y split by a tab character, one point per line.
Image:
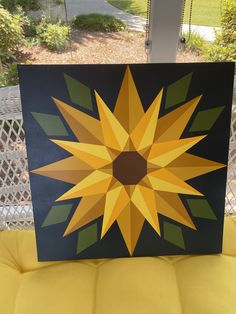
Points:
171	126
96	183
116	201
114	134
89	209
188	166
164	180
86	128
128	108
161	154
144	199
170	205
96	156
130	222
143	134
71	170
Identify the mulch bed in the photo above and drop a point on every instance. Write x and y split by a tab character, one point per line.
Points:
91	47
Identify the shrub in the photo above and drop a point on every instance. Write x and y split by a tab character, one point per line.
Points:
42	25
219	52
11	32
10	76
30	28
27	5
224	47
98	23
229	22
54	36
28	23
195	42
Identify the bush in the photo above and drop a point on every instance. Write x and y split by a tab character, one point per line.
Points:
98	23
11	32
195	43
10	76
27	5
30	28
218	52
54	36
224	47
229	22
42	25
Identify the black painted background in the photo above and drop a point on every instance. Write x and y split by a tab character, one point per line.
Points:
39	82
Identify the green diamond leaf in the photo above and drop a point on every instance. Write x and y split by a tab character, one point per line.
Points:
87	237
57	214
177	91
201	208
51	124
205	120
79	93
173	234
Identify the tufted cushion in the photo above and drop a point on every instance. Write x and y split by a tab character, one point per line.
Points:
181	284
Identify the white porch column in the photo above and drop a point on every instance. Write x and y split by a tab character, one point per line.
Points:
164	30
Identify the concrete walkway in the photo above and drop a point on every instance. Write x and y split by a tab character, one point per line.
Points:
133	22
206	32
77	7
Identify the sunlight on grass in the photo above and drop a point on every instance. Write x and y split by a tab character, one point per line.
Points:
138	7
205	12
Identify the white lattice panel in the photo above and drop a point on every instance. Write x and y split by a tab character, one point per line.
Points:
15	196
230	204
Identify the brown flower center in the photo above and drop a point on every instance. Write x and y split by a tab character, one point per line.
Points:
129	168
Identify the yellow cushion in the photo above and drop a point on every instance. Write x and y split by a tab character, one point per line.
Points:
150	285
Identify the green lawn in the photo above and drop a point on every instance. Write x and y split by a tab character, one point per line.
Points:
205	12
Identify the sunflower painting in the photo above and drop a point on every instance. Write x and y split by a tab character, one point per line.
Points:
127	160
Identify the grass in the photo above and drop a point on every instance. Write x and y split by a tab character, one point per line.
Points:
98	23
137	7
205	12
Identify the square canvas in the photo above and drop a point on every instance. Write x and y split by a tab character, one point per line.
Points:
127	160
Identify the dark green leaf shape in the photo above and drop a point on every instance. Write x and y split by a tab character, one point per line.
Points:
173	234
51	124
57	214
205	120
87	237
79	93
177	91
201	208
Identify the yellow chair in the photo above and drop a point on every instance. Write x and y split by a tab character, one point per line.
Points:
150	285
